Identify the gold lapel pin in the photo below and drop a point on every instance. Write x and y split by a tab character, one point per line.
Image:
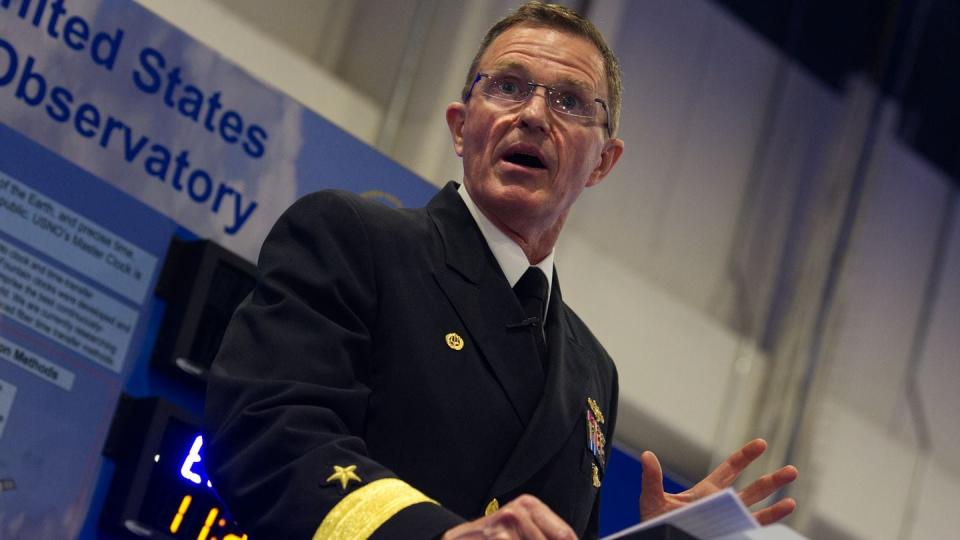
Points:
492	507
454	341
596	476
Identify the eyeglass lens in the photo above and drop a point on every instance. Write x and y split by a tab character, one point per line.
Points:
566	99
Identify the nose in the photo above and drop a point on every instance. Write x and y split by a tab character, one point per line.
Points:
533	113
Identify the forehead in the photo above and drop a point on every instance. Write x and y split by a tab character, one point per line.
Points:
547	53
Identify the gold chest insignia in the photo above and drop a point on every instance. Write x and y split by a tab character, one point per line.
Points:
454	341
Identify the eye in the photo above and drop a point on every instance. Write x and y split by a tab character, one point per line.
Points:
570	101
507	86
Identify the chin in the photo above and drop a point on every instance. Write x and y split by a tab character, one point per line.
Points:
517	206
508	193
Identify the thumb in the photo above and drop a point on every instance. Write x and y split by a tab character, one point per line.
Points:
652	486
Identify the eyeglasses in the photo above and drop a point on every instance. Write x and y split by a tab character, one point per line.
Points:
570	100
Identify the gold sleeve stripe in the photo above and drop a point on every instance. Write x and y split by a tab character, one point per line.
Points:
364	510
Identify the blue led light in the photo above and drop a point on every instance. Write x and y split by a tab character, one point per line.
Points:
193	458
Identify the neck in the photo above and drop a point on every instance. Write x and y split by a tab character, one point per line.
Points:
535	242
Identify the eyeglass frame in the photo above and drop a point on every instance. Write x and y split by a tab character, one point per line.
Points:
533	86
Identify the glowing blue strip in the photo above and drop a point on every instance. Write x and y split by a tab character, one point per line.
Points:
192	458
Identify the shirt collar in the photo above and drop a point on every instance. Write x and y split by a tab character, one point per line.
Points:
513	262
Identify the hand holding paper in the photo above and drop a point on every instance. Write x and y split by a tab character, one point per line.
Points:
720	516
654	501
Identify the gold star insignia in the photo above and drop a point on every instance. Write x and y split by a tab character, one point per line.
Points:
344	475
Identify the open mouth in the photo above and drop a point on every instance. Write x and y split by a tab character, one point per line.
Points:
525	160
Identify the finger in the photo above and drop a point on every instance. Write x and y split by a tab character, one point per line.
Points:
652	485
762	487
775	512
653	501
481	529
542	521
551	525
512	521
470	531
728	471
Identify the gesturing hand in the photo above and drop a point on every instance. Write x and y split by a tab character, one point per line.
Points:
654	501
525	517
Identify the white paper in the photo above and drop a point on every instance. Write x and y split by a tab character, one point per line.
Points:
709	518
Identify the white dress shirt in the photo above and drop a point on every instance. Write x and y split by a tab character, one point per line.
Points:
513	261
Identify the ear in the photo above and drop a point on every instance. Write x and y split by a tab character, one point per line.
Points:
456	114
612	150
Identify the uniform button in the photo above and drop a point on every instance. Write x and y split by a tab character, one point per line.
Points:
492	507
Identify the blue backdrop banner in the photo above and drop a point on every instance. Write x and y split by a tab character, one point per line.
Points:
119	131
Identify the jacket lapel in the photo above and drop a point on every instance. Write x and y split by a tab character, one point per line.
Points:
563	403
473	283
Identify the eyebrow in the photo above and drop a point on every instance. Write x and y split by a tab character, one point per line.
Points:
565	81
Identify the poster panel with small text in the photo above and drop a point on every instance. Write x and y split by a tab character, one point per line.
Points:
118	131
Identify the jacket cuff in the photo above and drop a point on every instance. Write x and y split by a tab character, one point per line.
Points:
420	521
382	509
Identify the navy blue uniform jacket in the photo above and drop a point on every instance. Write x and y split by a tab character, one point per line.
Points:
343	356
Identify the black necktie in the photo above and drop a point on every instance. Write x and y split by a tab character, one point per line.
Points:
531	291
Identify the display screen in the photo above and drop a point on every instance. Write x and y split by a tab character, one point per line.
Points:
179	501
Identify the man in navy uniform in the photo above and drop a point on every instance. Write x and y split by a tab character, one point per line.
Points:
416	373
